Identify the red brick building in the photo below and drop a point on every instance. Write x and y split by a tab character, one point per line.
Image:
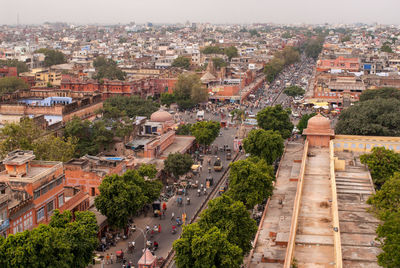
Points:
8	71
35	190
342	63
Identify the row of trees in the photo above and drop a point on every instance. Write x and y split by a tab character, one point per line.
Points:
376	114
225	230
294	91
188	92
287	56
121	197
384	166
313	46
61	243
121	106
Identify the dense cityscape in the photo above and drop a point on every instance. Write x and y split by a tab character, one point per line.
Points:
199	145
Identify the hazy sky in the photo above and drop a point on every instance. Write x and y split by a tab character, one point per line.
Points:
214	11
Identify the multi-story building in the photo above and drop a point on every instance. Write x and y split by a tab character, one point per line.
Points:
339	63
32	191
8	71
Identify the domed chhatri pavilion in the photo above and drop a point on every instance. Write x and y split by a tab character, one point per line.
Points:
319	131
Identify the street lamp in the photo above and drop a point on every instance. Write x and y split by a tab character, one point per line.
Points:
144	243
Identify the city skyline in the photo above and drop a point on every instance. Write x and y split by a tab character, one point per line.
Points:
178	11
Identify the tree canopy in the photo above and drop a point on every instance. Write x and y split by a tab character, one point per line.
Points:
287	56
373	117
294	91
178	164
21	66
387	199
120	106
250	181
386	48
62	243
231	52
205	131
266	144
181	62
303	122
389	237
384	93
184	129
26	135
107	68
167	99
11	84
275	118
231	217
212	50
52	57
219	62
189	91
382	163
198	248
313	47
123	196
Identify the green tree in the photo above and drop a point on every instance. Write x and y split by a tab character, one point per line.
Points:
184	129
189	91
62	243
123	196
120	106
275	118
304	121
346	38
219	63
250	181
266	144
199	248
386	48
205	132
313	47
273	68
51	148
387	200
82	130
294	91
254	32
178	164
231	52
52	57
212	50
107	68
12	84
21	66
238	114
181	62
382	163
167	99
384	93
148	170
389	238
232	218
374	117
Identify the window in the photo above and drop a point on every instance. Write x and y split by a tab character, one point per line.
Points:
59	181
50	207
60	200
40	214
36	194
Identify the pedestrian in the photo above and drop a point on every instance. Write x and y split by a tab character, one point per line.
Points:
159	228
172	216
164	206
107	259
111	258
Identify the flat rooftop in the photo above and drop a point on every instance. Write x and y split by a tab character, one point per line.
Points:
180	145
357	225
18	157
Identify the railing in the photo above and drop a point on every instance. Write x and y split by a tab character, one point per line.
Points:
335	211
296	211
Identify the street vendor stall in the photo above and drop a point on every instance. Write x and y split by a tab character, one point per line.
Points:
148	260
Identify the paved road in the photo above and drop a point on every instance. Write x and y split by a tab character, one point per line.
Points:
166	238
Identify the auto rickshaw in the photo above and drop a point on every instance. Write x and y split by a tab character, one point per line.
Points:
209	181
222	190
156	208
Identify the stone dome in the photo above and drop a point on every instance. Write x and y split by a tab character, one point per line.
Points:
319	123
161	116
